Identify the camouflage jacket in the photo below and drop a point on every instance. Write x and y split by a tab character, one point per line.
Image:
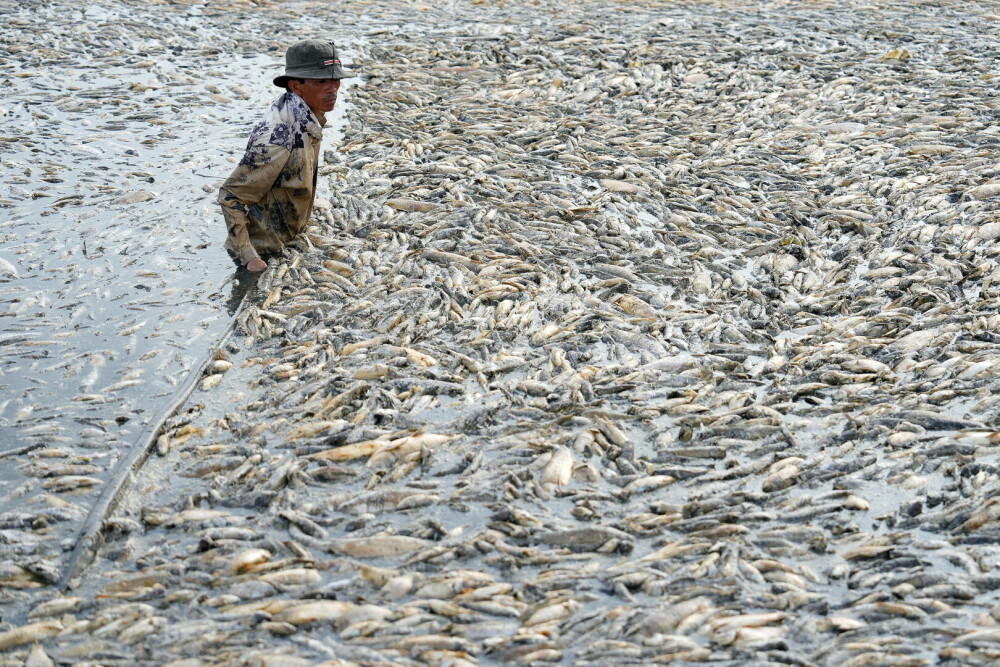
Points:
267	199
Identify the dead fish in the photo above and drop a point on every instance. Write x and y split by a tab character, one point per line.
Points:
32	632
411	205
378	546
587	539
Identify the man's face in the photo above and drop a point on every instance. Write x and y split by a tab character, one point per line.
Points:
319	94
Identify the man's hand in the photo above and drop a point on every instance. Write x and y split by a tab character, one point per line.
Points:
256	265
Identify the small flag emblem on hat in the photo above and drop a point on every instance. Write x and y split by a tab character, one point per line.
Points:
330	62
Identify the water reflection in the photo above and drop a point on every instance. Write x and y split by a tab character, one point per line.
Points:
242	281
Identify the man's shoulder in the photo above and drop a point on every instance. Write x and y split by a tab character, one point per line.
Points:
282	125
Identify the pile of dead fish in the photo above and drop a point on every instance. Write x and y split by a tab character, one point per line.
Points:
629	335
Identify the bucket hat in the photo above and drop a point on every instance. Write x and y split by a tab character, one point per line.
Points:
312	59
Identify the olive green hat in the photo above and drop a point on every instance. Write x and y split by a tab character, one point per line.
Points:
311	59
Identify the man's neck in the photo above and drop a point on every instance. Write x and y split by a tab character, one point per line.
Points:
320	115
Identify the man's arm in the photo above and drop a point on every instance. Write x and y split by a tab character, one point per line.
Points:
252	179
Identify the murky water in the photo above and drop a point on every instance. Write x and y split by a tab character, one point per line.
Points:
117	126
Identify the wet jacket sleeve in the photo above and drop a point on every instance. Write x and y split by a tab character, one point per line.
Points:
248	185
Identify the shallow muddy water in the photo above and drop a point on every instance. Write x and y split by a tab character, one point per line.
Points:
117	126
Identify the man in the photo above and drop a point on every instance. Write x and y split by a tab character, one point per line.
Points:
268	198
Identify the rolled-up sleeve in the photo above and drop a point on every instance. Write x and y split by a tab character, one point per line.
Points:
248	185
